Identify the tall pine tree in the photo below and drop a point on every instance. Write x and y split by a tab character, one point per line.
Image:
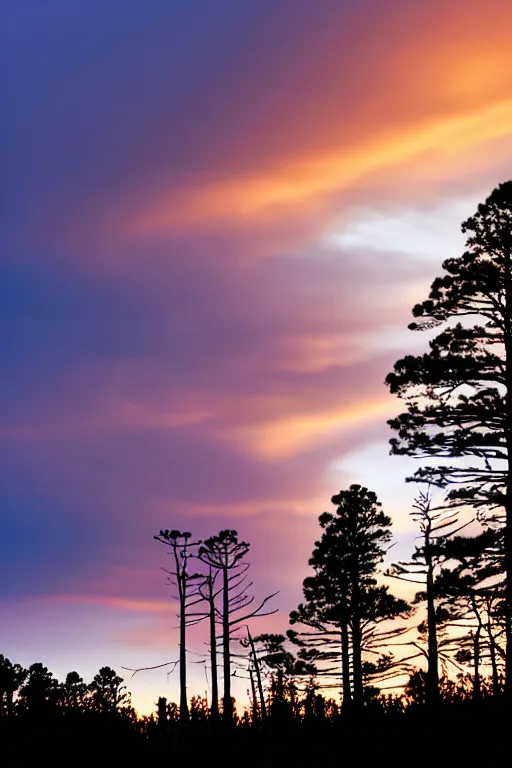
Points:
343	606
459	394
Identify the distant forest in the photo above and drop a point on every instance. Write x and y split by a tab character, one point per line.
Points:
360	666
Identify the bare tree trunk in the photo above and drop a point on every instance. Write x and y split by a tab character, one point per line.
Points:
357	662
184	715
477	691
182	592
254	699
494	666
433	654
214	706
257	669
227	704
345	666
280	692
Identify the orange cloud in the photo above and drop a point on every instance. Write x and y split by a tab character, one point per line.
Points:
287	436
422	83
301	181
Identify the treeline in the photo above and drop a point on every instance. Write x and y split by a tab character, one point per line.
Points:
72	721
35	692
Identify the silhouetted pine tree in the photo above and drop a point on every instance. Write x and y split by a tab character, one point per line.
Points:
342	604
459	395
109	695
470	589
74	692
38	695
12	677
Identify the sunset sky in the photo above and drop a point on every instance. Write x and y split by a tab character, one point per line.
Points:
216	216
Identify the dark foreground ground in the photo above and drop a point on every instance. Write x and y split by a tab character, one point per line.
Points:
464	737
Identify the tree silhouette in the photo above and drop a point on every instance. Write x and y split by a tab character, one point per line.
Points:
326	640
226	554
472	599
199	709
39	693
208	591
12	677
109	695
270	653
459	395
182	550
74	692
435	525
255	674
343	605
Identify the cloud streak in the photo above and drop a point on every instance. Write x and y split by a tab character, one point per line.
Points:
305	180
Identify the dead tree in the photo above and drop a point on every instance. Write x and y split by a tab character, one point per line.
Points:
225	553
436	525
209	593
181	550
248	642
